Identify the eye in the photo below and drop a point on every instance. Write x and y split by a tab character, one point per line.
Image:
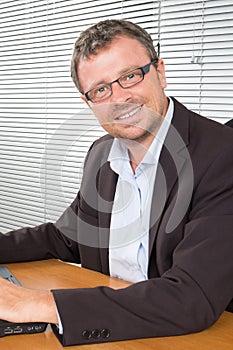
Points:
101	90
130	76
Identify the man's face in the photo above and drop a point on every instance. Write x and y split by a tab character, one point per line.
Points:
134	113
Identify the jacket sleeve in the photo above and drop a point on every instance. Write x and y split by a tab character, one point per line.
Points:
42	242
189	297
49	240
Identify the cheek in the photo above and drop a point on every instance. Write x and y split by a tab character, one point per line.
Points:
157	82
102	112
156	90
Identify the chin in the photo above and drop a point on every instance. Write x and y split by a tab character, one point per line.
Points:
134	135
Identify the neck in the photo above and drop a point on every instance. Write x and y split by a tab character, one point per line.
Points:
137	150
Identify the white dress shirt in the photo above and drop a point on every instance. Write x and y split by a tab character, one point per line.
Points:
130	220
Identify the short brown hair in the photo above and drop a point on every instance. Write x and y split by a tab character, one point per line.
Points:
101	35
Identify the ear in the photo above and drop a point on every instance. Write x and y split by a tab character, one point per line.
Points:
161	73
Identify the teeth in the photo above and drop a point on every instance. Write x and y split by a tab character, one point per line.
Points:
130	114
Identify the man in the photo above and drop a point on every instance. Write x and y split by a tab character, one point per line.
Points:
162	176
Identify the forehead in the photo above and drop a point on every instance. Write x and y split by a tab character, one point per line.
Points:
122	54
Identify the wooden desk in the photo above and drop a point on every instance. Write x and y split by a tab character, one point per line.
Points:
52	274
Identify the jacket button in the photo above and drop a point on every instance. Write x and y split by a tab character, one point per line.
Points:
105	333
95	333
86	334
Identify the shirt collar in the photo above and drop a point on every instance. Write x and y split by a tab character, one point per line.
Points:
119	151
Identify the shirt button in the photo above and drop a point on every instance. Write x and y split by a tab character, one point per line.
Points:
105	333
95	333
86	334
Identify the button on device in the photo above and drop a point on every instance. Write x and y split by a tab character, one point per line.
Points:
95	333
86	334
105	333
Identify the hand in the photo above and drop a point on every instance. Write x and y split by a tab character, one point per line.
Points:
18	304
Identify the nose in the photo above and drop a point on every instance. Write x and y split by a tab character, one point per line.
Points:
119	94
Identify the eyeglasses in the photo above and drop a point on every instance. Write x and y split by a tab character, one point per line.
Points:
126	80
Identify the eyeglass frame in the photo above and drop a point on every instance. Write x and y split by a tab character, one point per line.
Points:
144	69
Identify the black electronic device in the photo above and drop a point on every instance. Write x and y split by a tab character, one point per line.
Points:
10	328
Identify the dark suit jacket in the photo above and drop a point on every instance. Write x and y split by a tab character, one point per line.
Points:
230	123
190	241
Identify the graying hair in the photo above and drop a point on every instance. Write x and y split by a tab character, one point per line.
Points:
101	35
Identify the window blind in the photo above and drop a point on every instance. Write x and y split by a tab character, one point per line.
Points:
45	129
196	44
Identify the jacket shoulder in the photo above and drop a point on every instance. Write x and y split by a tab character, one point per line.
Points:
202	131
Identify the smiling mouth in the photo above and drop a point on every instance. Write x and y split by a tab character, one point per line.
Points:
129	114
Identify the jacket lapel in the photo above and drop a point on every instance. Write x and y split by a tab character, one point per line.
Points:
107	186
174	156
